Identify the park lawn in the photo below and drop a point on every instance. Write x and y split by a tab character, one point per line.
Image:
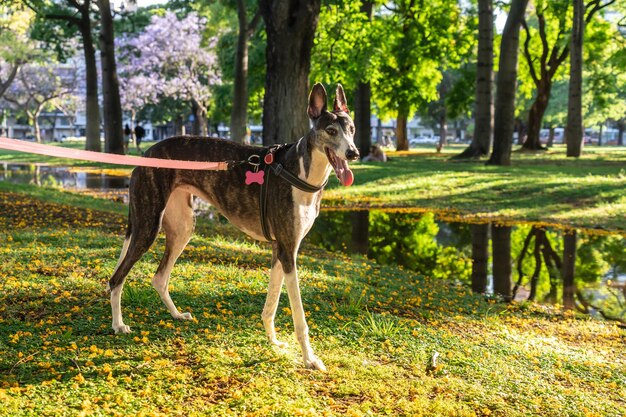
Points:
544	187
375	327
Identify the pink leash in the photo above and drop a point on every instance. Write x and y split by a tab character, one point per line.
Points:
107	158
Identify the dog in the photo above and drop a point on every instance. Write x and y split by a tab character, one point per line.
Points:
279	206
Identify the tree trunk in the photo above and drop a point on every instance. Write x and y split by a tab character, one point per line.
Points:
483	109
540	236
4	85
601	127
569	267
504	117
535	116
574	127
113	130
362	117
363	103
34	117
290	27
402	142
501	250
620	133
550	137
360	231
239	114
92	110
480	257
443	130
179	126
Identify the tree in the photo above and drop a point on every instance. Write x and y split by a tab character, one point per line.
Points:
605	83
574	127
15	47
455	100
480	257
239	114
551	28
112	106
167	60
347	51
363	98
39	86
56	24
569	263
290	28
501	250
421	40
504	118
483	109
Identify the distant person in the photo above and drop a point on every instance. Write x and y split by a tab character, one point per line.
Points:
127	135
376	154
140	133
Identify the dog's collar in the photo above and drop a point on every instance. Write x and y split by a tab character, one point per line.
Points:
270	166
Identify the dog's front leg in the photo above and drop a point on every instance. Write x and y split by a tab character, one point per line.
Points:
271	302
299	321
288	262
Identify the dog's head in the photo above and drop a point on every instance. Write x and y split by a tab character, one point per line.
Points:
333	131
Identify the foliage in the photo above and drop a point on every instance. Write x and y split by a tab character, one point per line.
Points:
347	45
38	87
15	46
168	59
420	41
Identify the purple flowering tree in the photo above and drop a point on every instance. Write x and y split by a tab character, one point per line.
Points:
169	59
37	87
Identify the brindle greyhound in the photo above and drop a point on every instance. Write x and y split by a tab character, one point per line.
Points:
163	198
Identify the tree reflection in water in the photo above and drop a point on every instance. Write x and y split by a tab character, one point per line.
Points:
490	258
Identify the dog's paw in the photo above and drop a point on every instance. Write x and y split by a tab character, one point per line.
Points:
315	363
122	329
184	316
278	343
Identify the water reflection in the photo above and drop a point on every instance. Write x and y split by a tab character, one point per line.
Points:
578	269
51	176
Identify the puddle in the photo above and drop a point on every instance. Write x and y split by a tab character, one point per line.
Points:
110	184
61	177
526	260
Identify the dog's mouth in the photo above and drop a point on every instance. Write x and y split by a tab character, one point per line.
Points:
343	172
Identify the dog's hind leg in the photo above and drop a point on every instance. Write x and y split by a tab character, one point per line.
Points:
143	229
178	224
273	295
288	261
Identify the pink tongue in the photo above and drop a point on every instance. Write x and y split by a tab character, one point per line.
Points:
343	172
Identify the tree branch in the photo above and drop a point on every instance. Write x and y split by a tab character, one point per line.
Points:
597	6
544	42
529	59
252	25
586	303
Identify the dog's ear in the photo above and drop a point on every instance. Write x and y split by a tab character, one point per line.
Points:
340	100
317	101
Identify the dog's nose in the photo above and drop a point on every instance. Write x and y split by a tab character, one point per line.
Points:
352	155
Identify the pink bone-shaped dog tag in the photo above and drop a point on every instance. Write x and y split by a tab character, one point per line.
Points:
255	177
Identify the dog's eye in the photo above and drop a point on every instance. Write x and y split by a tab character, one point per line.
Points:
331	131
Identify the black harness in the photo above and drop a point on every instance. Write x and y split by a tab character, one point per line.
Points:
278	170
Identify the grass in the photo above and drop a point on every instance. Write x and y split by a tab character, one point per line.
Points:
376	328
545	187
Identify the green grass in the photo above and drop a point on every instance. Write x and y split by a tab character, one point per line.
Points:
375	327
546	187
